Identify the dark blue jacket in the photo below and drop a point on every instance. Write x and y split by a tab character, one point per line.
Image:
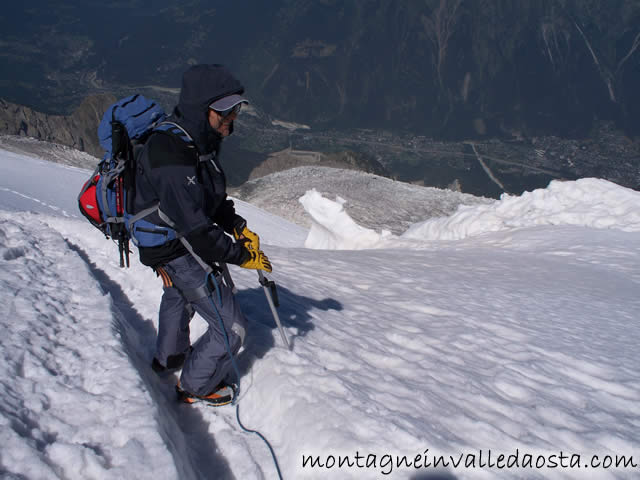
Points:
191	191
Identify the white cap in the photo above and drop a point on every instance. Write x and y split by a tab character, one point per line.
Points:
228	102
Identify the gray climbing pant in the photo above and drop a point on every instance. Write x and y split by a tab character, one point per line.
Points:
173	324
207	362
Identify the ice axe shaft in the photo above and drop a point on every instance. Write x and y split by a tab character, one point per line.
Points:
270	291
268	286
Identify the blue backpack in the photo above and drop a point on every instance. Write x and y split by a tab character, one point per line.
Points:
106	199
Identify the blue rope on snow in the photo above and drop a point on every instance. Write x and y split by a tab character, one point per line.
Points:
235	367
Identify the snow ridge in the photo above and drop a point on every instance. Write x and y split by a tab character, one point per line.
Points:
588	202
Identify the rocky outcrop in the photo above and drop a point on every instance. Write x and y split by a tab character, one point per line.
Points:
77	130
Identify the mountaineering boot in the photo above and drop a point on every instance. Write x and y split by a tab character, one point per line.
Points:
174	363
223	394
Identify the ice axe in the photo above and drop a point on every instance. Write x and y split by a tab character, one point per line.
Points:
270	291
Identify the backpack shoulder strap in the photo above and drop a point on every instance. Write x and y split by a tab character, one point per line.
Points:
174	129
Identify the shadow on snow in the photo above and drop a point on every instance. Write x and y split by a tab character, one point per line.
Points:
183	429
295	312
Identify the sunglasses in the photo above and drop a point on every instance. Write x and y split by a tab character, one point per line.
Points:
229	111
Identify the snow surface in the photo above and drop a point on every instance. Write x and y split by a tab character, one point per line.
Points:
494	329
587	202
52	152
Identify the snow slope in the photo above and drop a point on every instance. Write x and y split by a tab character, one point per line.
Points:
494	332
52	152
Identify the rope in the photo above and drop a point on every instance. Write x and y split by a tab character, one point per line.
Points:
237	371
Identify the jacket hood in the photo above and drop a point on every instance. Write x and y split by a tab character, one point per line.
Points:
202	85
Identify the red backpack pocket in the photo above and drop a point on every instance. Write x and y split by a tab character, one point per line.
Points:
88	201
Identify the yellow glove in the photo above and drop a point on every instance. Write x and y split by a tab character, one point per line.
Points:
257	261
251	241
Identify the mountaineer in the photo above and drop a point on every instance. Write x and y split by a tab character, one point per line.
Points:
179	170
